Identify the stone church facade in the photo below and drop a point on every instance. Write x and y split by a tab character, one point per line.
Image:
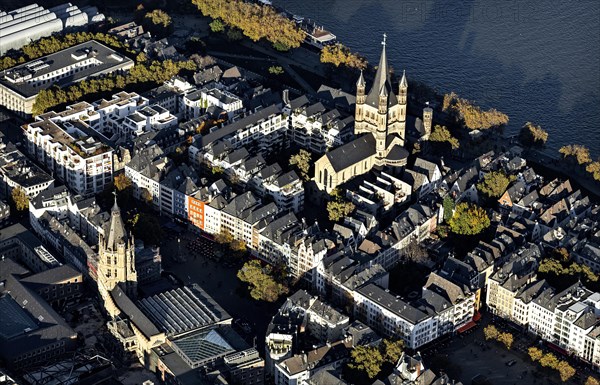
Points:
380	127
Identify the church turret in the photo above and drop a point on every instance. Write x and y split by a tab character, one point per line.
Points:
402	95
360	88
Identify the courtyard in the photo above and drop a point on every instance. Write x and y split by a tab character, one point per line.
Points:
197	264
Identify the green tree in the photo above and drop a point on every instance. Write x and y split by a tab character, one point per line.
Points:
490	332
122	182
441	134
234	34
392	350
579	152
532	135
217	26
448	204
20	199
469	219
494	184
367	359
535	354
262	285
338	54
339	209
276	70
301	161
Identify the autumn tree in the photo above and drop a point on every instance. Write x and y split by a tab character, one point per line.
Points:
490	332
367	359
391	350
594	169
122	182
494	184
238	246
146	196
301	161
20	199
549	360
224	237
441	134
577	151
337	210
592	381
338	54
535	354
256	21
415	252
158	22
565	371
469	219
473	117
263	286
506	339
532	135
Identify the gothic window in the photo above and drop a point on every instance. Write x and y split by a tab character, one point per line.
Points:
115	260
108	275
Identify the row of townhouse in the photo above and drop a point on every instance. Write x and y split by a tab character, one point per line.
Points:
17	171
250	171
315	127
435	314
569	319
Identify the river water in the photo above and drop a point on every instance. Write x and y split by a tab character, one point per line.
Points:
535	60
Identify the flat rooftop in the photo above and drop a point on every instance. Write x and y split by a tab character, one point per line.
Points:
23	78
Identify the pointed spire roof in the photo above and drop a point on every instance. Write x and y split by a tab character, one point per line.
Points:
116	232
403	82
361	80
382	80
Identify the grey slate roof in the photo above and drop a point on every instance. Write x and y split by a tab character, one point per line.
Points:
135	315
352	152
393	304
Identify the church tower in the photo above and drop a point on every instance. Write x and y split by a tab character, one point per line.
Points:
116	258
381	112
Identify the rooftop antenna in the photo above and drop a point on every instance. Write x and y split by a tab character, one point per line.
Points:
384	38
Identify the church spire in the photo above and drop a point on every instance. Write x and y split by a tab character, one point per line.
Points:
382	80
116	233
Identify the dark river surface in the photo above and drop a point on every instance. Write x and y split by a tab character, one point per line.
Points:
535	60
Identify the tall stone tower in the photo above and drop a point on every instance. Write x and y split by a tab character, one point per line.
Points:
381	112
427	122
116	258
